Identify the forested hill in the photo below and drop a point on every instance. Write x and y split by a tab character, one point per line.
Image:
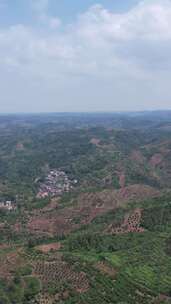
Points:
85	208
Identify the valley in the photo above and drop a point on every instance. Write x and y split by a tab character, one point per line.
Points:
85	208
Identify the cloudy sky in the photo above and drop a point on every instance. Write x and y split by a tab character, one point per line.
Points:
83	55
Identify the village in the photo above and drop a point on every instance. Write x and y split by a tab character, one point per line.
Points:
54	184
8	205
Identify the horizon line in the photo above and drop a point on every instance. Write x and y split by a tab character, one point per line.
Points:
84	112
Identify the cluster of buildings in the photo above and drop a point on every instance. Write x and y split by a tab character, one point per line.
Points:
55	183
7	205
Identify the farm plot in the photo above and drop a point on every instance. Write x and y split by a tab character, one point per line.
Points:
131	224
57	273
45	248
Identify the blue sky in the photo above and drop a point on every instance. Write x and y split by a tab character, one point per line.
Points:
83	55
19	10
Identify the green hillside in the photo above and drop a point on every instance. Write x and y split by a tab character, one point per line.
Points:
85	209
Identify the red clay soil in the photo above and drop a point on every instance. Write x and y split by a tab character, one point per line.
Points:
48	247
92	205
137	192
131	224
87	208
49	225
41	224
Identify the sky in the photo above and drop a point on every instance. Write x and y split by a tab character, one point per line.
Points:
85	55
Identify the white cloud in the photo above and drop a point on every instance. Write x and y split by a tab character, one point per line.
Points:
120	56
54	23
40	7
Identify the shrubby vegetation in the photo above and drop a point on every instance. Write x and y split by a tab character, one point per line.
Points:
19	291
